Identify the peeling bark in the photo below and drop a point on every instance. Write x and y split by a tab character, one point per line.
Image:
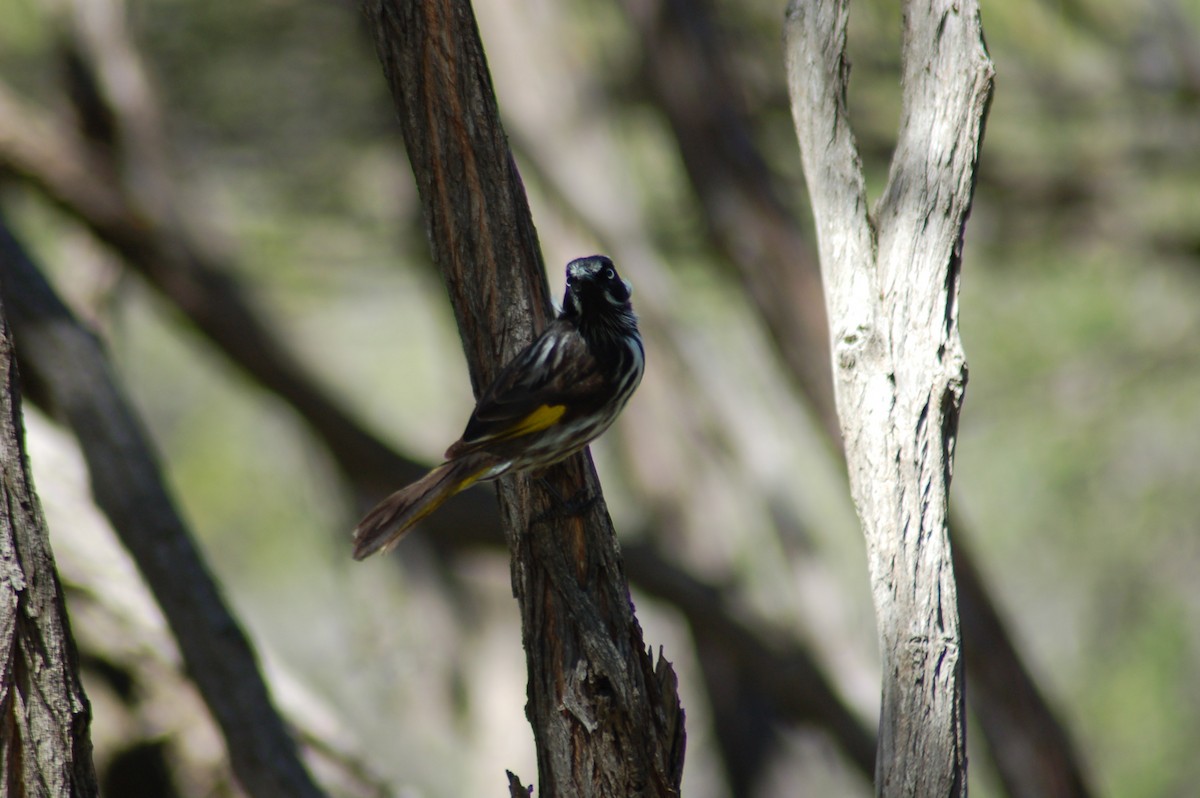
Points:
891	289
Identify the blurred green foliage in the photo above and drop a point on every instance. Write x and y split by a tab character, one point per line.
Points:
1079	453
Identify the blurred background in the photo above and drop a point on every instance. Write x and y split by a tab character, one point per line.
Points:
661	135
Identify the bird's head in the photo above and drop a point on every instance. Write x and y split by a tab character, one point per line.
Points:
593	286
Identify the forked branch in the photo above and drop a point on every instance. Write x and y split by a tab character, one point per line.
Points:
891	283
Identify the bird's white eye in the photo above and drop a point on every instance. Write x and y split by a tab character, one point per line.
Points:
609	274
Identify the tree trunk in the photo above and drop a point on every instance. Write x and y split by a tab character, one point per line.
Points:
45	719
891	288
606	718
762	240
71	372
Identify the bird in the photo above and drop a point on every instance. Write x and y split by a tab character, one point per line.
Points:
550	401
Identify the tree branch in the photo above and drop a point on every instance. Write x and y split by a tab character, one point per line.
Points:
1033	752
606	720
892	296
771	675
45	745
774	674
197	281
1031	749
70	373
745	216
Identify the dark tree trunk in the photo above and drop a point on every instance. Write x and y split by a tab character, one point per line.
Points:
606	718
45	719
70	372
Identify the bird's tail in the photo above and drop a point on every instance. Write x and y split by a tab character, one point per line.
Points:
382	528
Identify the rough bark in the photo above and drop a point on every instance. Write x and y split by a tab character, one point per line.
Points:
891	289
69	374
606	718
747	221
45	719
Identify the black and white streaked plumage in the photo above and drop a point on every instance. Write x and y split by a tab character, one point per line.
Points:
557	395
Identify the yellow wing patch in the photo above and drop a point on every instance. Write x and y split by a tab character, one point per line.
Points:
542	418
469	481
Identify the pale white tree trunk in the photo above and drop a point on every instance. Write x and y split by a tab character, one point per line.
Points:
891	288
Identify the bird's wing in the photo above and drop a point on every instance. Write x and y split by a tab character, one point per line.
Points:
544	382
